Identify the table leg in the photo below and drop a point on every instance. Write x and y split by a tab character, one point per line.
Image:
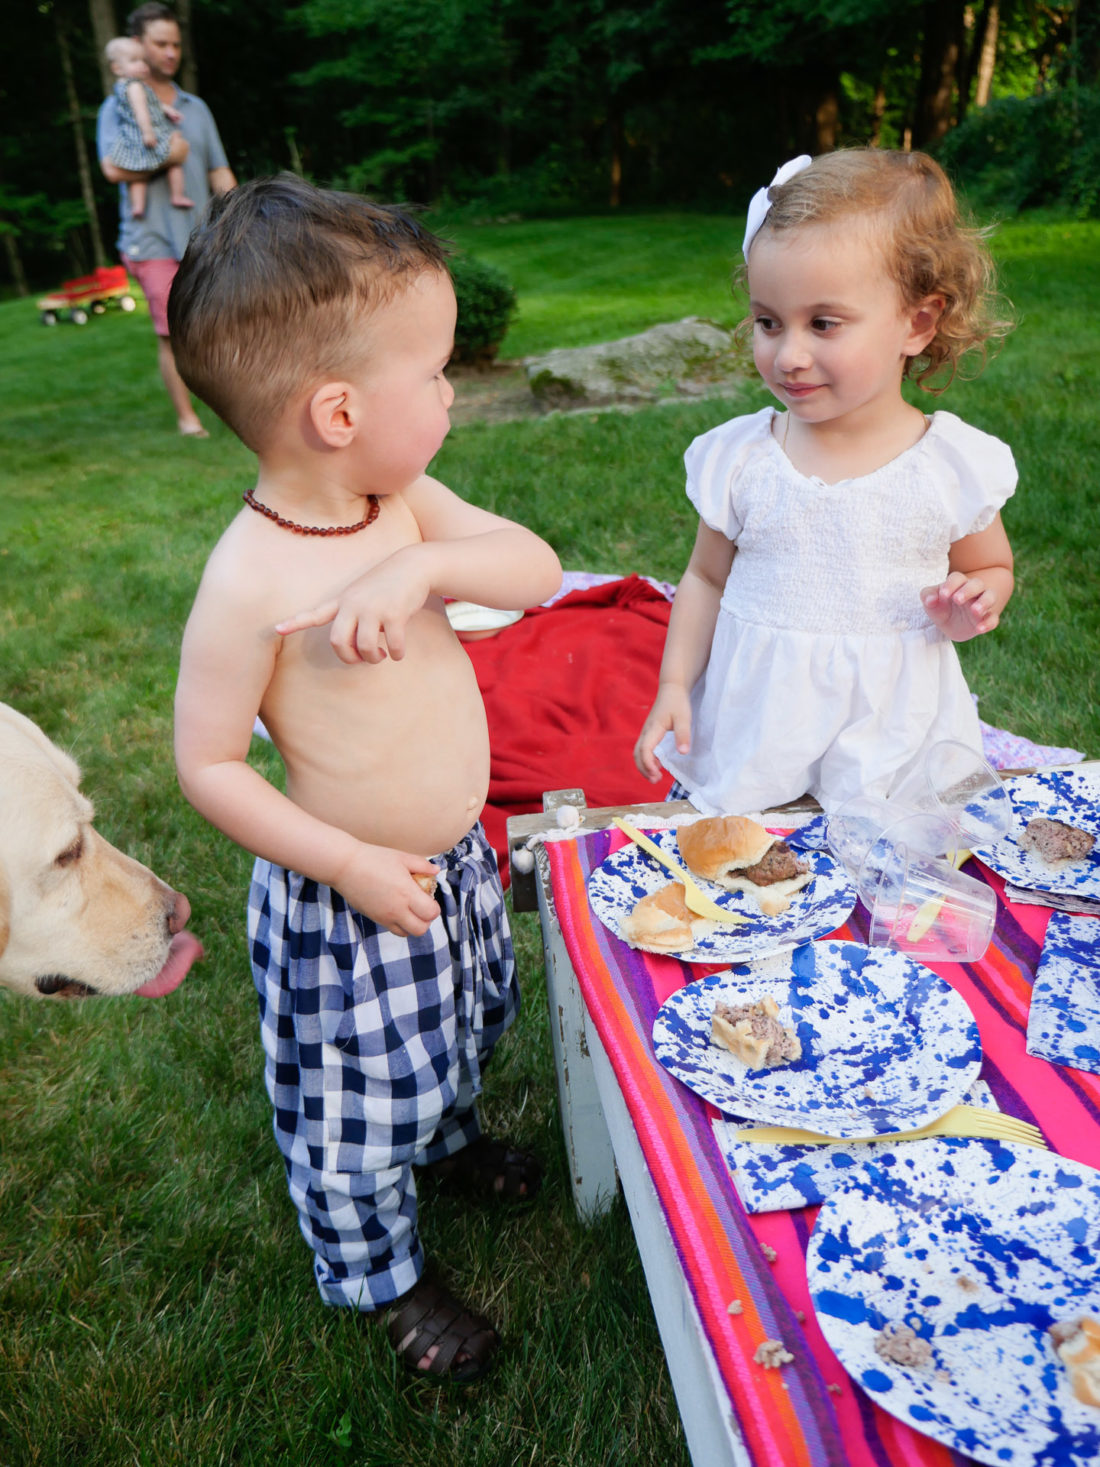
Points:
713	1437
602	1145
587	1142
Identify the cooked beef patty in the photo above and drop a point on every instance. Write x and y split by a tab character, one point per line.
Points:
779	863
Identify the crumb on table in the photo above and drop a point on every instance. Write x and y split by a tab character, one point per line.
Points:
771	1354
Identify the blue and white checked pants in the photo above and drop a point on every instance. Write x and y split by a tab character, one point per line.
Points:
374	1046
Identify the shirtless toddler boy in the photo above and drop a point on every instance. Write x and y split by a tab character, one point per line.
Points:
318	326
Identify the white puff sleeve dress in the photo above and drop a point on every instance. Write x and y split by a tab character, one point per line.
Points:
825	674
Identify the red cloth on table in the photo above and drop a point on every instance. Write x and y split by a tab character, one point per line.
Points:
566	692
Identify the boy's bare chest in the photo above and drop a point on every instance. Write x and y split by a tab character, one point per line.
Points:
303	571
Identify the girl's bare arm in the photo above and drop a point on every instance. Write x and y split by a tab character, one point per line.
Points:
687	647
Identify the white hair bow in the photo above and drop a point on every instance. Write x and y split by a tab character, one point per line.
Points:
760	203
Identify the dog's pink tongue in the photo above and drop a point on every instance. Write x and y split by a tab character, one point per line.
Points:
185	949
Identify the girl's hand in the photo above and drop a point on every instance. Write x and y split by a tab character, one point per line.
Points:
962	607
671	710
369	617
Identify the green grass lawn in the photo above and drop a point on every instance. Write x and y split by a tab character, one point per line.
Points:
156	1303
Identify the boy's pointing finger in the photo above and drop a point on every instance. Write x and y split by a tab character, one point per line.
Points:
320	616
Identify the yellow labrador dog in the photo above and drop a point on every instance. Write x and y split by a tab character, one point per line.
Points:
77	917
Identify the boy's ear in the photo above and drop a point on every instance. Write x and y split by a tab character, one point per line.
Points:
923	321
333	414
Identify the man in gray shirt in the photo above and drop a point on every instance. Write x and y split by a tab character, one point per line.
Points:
151	247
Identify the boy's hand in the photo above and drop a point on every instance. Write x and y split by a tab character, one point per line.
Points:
962	607
671	710
173	114
149	139
369	618
379	882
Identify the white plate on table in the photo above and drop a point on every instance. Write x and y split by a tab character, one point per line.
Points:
886	1044
472	622
977	1246
623	878
1069	795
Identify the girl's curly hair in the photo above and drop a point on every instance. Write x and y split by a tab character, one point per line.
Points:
929	248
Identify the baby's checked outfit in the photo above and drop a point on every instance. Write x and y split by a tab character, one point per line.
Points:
128	148
825	673
374	1047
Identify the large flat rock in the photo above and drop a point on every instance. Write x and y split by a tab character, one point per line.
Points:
677	358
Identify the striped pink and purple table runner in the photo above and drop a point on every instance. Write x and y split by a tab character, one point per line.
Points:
790	1416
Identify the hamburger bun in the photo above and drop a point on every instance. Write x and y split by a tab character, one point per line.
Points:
662	923
426	882
1078	1344
753	1034
721	844
722	847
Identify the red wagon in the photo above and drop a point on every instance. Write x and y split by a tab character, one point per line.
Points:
88	295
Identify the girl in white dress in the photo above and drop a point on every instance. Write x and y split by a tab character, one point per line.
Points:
845	544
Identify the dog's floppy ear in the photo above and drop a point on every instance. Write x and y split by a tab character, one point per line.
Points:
5	908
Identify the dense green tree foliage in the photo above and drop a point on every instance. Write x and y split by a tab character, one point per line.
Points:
522	106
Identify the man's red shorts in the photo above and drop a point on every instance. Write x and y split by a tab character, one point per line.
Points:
155	278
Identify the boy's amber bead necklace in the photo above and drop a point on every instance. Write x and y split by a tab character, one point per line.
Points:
371	515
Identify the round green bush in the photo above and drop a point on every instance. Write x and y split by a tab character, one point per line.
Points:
1029	152
486	306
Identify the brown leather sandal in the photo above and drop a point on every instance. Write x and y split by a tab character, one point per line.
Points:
491	1169
428	1318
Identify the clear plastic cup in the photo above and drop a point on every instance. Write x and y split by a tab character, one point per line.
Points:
954	781
865	830
922	906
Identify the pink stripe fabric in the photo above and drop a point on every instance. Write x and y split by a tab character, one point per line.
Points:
790	1416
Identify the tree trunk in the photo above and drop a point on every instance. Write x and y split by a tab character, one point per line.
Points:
189	67
80	143
15	262
878	112
104	29
943	28
503	109
433	165
988	58
826	119
819	90
615	177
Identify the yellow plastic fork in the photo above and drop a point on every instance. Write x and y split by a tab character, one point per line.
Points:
963	1120
701	905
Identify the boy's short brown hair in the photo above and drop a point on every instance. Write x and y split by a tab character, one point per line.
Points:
272	291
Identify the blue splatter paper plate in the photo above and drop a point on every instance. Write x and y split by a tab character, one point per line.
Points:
886	1044
977	1247
1069	795
628	874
